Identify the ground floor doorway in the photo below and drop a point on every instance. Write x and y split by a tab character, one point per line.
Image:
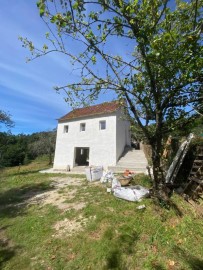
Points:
82	156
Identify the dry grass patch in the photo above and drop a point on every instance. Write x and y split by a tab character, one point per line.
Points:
68	227
58	196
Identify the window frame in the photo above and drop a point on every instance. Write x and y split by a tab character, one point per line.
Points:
82	127
66	129
101	125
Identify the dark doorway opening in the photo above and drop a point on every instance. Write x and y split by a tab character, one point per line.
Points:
81	156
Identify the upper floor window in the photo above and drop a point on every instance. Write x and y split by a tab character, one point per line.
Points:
102	125
65	129
82	127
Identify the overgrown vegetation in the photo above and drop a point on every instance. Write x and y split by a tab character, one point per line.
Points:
111	234
21	149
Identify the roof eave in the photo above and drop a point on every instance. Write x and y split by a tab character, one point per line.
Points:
86	116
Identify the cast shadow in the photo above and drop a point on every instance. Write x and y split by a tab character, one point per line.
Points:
128	241
7	250
13	202
176	209
194	262
19	172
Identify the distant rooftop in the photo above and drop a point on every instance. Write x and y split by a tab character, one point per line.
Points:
104	108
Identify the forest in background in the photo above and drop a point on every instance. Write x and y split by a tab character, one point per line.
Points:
21	149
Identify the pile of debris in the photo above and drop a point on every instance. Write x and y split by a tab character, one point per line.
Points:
119	185
193	187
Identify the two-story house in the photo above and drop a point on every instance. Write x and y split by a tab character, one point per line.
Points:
95	135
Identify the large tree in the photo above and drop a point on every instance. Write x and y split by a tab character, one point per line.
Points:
158	71
5	119
44	144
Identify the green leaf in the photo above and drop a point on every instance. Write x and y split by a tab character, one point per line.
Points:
41	6
94	60
45	47
75	5
41	12
53	19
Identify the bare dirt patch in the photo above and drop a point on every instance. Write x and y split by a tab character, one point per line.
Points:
56	197
60	182
69	227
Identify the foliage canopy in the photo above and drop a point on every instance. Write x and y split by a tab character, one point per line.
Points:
158	71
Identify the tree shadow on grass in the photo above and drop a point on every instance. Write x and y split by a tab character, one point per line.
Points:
158	267
7	250
176	209
13	202
194	262
169	205
114	259
125	244
6	253
19	172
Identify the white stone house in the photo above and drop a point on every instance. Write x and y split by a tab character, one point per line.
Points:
92	136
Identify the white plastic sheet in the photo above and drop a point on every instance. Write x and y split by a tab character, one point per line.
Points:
107	177
133	193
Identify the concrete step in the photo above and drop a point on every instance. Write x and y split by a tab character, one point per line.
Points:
132	164
131	151
118	169
78	169
139	152
134	157
133	160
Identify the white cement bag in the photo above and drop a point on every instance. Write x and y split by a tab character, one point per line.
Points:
93	173
115	183
133	194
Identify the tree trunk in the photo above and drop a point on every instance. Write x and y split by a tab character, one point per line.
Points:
156	162
159	185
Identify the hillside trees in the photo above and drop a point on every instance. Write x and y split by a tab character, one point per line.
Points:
147	52
12	149
21	148
44	144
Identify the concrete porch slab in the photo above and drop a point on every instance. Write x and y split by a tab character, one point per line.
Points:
74	171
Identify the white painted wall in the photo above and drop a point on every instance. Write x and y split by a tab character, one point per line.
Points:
102	143
123	135
105	146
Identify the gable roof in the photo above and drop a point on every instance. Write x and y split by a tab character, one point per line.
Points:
104	108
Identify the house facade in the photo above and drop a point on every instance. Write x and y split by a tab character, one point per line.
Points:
92	136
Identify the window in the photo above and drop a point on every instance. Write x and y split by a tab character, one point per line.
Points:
82	127
102	125
65	130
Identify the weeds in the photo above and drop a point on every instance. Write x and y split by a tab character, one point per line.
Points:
106	233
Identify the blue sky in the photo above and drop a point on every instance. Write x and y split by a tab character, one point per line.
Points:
26	89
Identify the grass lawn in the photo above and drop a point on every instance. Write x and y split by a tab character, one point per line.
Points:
58	221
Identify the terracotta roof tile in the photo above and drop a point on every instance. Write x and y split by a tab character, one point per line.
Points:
104	108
